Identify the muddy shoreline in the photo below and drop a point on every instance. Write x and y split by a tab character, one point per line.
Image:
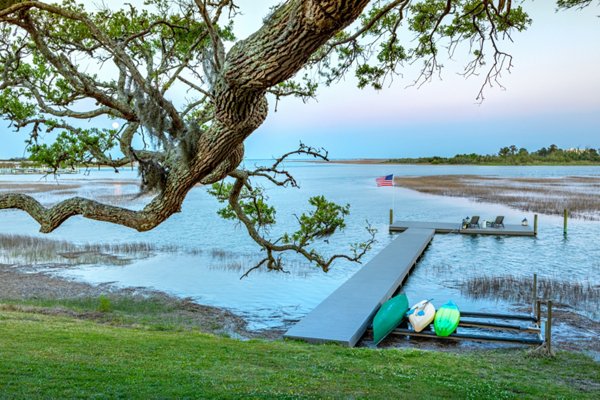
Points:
20	285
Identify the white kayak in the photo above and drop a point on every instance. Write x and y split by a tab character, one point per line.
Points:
421	315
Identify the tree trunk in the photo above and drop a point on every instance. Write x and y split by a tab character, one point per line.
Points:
269	56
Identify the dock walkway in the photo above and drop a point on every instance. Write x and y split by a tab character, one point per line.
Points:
345	315
449	227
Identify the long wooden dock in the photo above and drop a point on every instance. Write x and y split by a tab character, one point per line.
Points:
449	227
345	315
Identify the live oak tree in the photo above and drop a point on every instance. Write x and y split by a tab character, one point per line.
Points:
64	63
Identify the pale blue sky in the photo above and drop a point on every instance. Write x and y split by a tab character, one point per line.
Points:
551	96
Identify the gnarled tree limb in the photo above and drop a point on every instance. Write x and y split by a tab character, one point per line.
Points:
247	204
271	55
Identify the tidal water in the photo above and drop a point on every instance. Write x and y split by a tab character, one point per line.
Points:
270	299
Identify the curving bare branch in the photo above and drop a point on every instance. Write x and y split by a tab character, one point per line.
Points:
247	204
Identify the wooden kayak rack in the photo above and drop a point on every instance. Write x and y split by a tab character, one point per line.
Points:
522	334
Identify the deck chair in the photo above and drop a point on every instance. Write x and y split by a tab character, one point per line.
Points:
474	222
499	222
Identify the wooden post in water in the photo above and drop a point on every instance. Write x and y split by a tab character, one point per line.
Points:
535	224
565	216
538	312
391	216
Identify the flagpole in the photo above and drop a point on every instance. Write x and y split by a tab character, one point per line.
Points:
388	180
393	196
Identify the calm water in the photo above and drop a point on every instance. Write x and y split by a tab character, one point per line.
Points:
272	299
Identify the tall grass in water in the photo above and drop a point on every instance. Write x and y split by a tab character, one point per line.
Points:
580	195
33	250
242	261
519	289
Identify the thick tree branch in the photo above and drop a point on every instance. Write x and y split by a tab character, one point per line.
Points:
52	217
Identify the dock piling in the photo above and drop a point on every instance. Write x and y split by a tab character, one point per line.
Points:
534	294
391	216
565	218
549	328
535	224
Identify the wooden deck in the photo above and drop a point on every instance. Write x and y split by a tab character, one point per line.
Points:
449	227
345	315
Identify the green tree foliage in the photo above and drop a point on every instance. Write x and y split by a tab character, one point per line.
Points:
510	156
573	3
248	203
253	203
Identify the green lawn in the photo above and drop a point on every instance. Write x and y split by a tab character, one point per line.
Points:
60	357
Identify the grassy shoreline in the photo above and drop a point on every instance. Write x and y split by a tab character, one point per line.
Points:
34	292
144	345
55	356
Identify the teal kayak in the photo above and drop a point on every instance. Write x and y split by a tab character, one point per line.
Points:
446	319
389	316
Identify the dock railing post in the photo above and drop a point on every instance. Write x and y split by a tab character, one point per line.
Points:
534	295
391	216
565	217
549	328
535	224
538	312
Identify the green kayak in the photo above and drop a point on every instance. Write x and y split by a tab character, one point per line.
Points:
446	319
389	316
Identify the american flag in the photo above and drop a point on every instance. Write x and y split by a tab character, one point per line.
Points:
387	180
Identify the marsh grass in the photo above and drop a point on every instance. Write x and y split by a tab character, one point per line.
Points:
242	262
519	289
580	195
19	249
34	252
221	254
